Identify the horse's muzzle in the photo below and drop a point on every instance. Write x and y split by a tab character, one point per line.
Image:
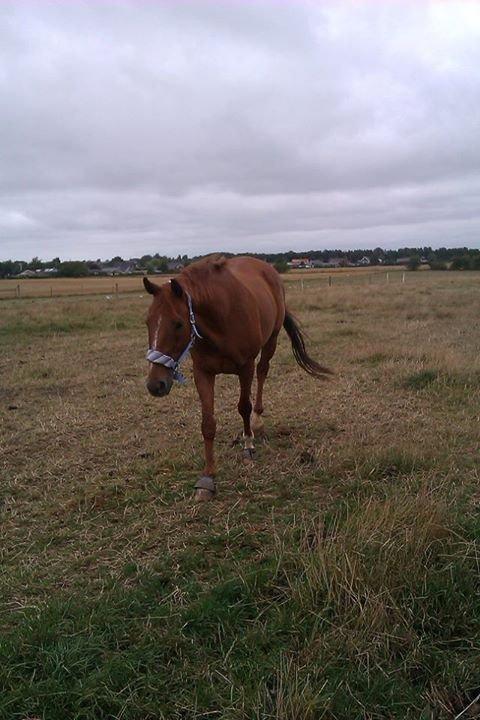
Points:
159	388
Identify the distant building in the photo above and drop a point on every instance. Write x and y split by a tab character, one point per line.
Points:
364	261
27	274
126	267
175	266
331	263
41	272
298	263
406	260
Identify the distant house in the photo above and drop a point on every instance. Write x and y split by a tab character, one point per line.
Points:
27	274
363	262
111	270
126	267
334	262
174	266
298	263
41	272
402	261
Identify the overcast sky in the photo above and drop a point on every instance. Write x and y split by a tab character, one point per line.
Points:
190	126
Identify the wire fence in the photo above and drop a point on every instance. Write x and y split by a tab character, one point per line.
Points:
42	288
348	279
39	289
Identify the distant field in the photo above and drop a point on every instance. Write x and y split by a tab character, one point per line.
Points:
53	287
336	578
46	287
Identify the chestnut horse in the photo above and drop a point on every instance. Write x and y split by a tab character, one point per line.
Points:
225	312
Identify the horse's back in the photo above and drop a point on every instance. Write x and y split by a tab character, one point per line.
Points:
256	275
241	304
265	285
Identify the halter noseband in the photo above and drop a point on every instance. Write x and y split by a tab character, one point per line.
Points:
158	358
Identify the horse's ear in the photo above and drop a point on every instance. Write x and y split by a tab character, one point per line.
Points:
150	287
176	288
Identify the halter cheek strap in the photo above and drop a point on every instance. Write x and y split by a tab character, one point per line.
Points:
158	358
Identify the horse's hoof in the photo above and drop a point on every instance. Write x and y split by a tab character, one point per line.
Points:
248	455
204	489
202	495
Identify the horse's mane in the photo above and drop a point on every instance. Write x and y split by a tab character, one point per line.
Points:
202	277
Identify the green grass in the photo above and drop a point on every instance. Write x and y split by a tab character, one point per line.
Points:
429	378
378	607
421	379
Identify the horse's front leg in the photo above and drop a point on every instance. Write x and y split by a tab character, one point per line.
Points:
205	383
245	408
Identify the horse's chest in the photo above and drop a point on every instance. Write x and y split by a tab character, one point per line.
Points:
216	364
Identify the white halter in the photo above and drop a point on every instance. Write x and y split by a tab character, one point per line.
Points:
158	358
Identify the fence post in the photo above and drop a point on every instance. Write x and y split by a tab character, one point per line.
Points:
51	291
403	277
18	290
329	281
301	284
116	289
388	277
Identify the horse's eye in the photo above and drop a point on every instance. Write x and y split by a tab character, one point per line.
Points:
178	325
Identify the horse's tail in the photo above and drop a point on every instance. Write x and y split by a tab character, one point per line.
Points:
299	350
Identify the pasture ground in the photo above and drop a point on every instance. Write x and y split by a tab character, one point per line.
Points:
336	578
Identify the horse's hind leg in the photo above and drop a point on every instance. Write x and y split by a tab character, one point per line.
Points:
245	407
263	365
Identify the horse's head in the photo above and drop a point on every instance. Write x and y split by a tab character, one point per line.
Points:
169	333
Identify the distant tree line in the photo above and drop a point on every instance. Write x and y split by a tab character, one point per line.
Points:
378	256
70	268
441	259
445	256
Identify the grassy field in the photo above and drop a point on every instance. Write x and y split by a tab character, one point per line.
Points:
337	578
54	287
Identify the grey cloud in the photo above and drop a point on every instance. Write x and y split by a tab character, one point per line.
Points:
196	126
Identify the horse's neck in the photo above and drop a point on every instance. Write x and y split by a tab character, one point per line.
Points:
215	311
